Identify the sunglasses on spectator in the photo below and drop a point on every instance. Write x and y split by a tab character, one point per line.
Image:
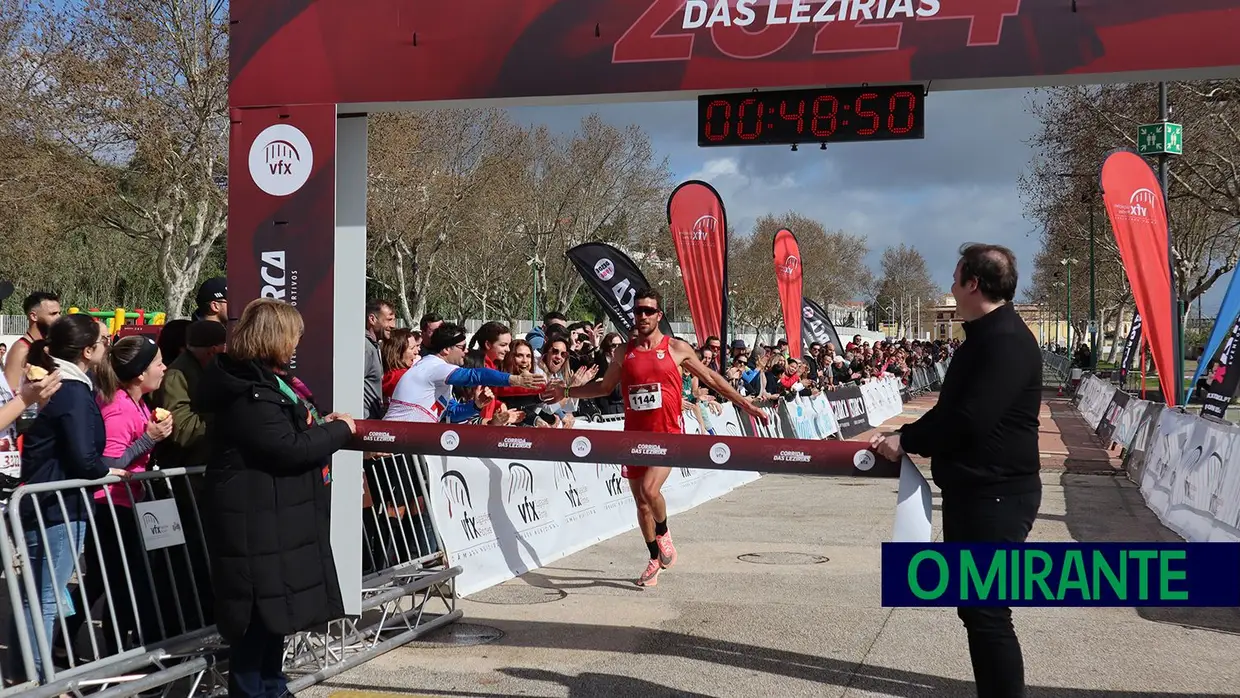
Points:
646	311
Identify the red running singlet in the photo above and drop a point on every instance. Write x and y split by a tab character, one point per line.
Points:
651	387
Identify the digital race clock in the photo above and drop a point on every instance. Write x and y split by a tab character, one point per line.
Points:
828	115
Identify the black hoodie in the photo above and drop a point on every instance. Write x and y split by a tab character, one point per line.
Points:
267	502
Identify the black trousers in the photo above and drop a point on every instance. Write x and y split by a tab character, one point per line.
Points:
256	663
998	667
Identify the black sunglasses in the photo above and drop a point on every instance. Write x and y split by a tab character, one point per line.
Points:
643	310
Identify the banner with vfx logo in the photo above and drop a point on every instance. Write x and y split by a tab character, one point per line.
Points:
817	326
788	278
1138	214
614	279
501	517
699	229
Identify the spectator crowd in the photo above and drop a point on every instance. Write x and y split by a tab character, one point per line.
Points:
77	405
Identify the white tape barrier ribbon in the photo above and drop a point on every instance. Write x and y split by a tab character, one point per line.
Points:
913	506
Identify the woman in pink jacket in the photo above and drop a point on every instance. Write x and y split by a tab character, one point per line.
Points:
133	369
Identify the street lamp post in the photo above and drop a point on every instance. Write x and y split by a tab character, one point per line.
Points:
1057	285
1067	262
1093	294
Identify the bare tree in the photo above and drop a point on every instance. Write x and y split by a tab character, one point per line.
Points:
428	172
905	286
1203	196
833	268
139	89
602	183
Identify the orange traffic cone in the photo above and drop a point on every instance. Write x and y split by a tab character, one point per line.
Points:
1060	394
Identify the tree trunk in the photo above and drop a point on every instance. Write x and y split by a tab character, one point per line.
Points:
180	272
402	290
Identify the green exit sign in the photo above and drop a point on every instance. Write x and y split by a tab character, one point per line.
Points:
1157	139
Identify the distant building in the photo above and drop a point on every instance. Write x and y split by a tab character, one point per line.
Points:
1042	321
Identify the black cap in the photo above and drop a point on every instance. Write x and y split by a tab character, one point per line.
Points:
205	334
213	289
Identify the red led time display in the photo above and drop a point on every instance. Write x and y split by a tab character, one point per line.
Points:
827	115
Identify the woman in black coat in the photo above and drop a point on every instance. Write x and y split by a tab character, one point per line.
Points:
268	498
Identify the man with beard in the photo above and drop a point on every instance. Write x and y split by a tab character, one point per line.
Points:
648	374
212	300
41	308
380	321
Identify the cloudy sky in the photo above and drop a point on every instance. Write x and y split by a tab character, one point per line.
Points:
957	185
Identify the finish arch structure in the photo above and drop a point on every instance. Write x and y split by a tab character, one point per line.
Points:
304	74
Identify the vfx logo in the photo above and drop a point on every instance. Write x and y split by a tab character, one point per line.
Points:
456	492
281	160
610	475
791	267
566	482
1139	205
520	489
702	229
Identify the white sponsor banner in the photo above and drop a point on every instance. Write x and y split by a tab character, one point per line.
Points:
1128	421
1096	396
882	400
824	416
501	518
1191	479
160	523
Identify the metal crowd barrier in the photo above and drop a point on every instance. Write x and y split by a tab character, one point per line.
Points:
1056	369
134	612
407	588
122	604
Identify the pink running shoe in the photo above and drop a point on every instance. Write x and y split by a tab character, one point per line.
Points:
667	551
650	577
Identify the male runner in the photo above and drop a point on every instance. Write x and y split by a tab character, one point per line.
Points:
648	373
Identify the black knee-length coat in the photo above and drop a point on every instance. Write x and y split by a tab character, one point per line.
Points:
267	502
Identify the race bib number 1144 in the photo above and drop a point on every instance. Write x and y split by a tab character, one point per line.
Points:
645	397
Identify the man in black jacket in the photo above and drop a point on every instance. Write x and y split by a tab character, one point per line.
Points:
982	441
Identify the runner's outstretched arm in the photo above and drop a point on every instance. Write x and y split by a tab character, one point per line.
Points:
599	387
689	359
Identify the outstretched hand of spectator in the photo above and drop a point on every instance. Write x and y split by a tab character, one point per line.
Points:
584	375
553	393
527	380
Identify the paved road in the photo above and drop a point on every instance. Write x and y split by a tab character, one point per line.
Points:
720	626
